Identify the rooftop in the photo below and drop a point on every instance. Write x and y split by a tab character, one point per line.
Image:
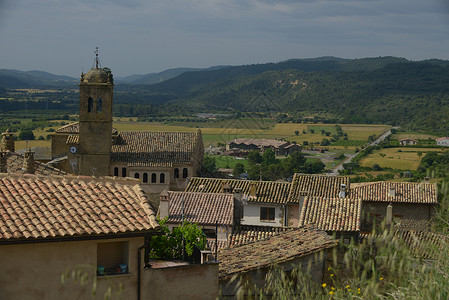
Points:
317	186
15	165
35	207
332	214
400	192
280	248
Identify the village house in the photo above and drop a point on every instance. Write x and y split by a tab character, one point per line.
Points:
210	211
288	249
264	202
278	147
408	142
54	225
161	160
405	200
444	141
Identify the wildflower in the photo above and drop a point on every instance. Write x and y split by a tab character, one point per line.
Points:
332	275
381	278
331	292
347	286
323	285
329	268
332	288
349	290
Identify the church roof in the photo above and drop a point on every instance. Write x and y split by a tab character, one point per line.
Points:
154	148
75	128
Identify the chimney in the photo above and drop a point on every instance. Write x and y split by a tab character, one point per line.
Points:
238	206
28	162
389	218
252	189
163	204
3	162
8	141
342	193
392	192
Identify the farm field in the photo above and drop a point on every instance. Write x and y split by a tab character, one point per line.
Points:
412	135
403	158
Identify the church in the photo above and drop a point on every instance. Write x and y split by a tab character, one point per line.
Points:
160	160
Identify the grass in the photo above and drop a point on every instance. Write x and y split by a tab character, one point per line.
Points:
228	162
406	159
412	135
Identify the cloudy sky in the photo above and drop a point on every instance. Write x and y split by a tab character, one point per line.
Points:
145	36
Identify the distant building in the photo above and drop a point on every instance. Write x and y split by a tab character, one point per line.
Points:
408	142
279	147
444	141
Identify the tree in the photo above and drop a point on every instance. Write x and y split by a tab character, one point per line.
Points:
254	157
238	170
26	135
209	166
254	172
296	132
268	157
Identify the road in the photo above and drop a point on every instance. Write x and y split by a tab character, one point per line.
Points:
351	156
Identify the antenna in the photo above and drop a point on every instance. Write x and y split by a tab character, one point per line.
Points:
97	60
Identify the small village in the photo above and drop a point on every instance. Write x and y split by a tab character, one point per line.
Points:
93	220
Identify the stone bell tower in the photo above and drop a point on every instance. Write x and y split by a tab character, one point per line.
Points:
95	119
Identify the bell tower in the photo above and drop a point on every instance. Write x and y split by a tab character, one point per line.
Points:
95	121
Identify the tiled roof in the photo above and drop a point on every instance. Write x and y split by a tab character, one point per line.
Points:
442	138
246	233
75	128
72	139
332	214
154	148
15	164
317	186
280	248
404	192
201	208
265	191
34	207
259	142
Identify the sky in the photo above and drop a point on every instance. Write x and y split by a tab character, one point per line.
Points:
146	36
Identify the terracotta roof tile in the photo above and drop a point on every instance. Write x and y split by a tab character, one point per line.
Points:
41	207
15	164
280	248
155	148
201	208
75	128
244	234
317	186
404	192
264	191
332	214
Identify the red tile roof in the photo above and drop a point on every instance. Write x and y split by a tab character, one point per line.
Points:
201	208
280	248
317	186
155	148
265	191
332	214
404	192
34	207
246	233
15	163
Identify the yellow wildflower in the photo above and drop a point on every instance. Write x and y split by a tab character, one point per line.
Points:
332	275
347	286
332	288
349	290
331	292
323	285
381	278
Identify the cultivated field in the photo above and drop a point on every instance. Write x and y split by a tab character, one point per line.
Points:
397	158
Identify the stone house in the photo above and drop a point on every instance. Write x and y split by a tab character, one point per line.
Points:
444	141
288	249
161	160
407	200
408	142
51	226
278	147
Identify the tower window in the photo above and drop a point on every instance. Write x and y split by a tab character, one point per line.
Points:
90	104
162	178
123	172
99	104
185	173
153	178
136	175
176	175
145	177
116	171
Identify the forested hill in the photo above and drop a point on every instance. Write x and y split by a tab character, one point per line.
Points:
378	90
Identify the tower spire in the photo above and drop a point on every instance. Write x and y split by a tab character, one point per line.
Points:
97	60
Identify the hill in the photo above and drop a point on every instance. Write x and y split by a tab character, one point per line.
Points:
14	79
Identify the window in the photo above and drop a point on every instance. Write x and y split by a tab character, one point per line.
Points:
136	175
112	258
123	172
185	173
145	177
99	104
162	178
153	178
176	173
267	213
116	171
90	104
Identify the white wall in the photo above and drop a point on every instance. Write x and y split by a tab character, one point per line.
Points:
251	215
